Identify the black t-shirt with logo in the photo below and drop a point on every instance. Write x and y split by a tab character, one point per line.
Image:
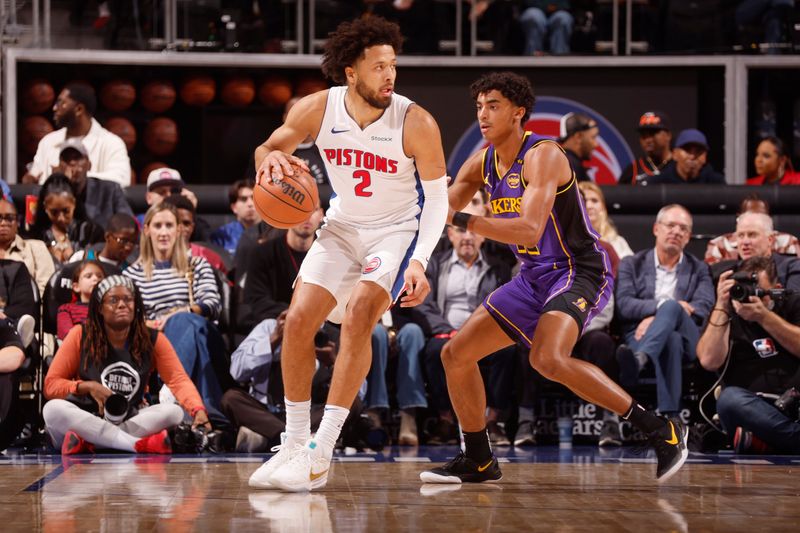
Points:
758	363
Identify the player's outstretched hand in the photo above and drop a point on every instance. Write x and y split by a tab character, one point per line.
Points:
278	164
416	284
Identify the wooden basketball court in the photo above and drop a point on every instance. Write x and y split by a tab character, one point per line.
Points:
544	489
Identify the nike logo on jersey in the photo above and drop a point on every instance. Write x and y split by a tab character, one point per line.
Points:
335	131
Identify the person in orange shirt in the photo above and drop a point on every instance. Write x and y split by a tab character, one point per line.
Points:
773	164
108	360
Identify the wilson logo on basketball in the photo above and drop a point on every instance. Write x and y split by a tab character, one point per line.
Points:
289	190
373	265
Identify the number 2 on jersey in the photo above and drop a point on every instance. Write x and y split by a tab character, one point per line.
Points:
366	181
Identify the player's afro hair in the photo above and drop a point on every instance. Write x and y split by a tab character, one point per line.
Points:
516	88
348	42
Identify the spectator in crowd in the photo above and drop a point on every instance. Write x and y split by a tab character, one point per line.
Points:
758	341
187	218
689	162
6	190
17	300
406	340
60	221
755	237
773	15
180	298
12	357
163	182
32	252
598	215
546	18
240	196
663	297
773	165
725	247
99	198
73	114
84	279
578	137
118	250
655	138
460	279
113	355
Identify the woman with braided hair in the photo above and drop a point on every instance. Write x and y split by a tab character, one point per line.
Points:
113	355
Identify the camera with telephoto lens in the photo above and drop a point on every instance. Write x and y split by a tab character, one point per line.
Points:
789	403
747	286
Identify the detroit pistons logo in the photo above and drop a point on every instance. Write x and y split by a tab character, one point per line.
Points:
373	265
609	158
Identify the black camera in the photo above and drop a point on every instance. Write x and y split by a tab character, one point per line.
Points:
747	286
789	403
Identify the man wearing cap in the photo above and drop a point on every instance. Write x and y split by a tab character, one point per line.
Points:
689	162
655	138
579	139
73	113
163	182
101	198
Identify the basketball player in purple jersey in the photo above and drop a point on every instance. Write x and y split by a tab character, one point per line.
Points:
565	280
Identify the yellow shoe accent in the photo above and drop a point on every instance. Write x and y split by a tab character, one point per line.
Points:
313	477
674	439
487	465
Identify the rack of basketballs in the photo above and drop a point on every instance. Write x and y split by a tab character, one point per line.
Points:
157	132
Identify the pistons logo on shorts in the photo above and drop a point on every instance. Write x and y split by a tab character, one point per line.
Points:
373	265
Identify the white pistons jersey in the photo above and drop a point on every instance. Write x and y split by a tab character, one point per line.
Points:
374	183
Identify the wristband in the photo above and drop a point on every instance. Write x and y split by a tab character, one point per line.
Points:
195	410
460	219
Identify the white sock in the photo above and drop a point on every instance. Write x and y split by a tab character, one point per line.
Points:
298	420
330	428
123	441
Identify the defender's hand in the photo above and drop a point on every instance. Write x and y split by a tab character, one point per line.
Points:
416	285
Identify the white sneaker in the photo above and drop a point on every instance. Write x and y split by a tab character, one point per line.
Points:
305	470
260	478
25	327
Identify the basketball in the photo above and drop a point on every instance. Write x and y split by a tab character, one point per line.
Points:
288	203
33	129
122	128
275	91
239	91
198	91
161	136
117	95
37	96
310	85
158	96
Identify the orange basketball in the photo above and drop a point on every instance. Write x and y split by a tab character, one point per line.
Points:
158	95
310	85
275	91
239	91
161	136
117	95
122	128
33	129
288	203
198	90
37	96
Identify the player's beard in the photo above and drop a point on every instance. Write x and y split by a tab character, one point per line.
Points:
372	97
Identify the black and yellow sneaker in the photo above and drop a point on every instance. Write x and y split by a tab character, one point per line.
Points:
671	451
462	469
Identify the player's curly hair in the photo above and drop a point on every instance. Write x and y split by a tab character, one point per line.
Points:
516	88
348	42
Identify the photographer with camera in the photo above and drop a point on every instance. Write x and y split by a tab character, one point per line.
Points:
754	335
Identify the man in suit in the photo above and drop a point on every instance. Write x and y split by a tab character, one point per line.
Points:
663	297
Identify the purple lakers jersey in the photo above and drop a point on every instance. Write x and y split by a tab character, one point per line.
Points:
568	240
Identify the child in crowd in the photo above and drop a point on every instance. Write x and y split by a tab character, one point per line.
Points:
84	279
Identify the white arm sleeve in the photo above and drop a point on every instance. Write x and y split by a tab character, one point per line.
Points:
432	219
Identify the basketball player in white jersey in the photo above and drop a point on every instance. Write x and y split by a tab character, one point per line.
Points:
384	157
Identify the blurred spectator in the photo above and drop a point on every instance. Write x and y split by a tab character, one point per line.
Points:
186	225
84	279
578	137
118	250
60	221
161	183
689	162
663	296
755	237
100	198
12	357
546	18
32	252
772	15
73	113
758	342
655	138
598	215
80	380
6	190
724	247
240	197
773	165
